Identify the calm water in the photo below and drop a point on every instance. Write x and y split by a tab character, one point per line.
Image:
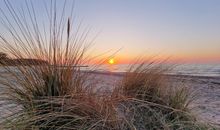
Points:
212	70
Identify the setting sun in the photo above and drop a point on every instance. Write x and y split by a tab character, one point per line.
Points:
111	61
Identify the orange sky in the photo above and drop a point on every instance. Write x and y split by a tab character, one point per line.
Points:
183	31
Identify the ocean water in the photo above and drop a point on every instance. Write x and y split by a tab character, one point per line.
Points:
210	70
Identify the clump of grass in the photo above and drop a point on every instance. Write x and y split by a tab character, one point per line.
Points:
56	94
143	81
152	103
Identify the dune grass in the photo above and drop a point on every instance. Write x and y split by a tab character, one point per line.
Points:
152	103
59	95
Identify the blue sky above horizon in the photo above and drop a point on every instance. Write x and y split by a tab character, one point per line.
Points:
187	30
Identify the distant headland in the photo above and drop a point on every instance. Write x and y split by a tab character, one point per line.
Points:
5	61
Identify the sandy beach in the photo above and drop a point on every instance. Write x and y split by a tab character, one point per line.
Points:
206	92
206	105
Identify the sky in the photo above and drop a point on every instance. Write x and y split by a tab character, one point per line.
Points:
184	30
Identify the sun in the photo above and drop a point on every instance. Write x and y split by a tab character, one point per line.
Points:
111	61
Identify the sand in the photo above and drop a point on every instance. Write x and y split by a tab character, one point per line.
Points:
206	105
205	90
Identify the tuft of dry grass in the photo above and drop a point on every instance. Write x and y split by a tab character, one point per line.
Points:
56	94
151	102
143	81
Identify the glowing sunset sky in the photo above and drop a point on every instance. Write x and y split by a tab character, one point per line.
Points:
187	30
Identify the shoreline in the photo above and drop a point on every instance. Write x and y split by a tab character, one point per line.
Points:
170	75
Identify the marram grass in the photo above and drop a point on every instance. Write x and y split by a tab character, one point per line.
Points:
57	95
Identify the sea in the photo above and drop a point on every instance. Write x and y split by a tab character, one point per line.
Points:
207	70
